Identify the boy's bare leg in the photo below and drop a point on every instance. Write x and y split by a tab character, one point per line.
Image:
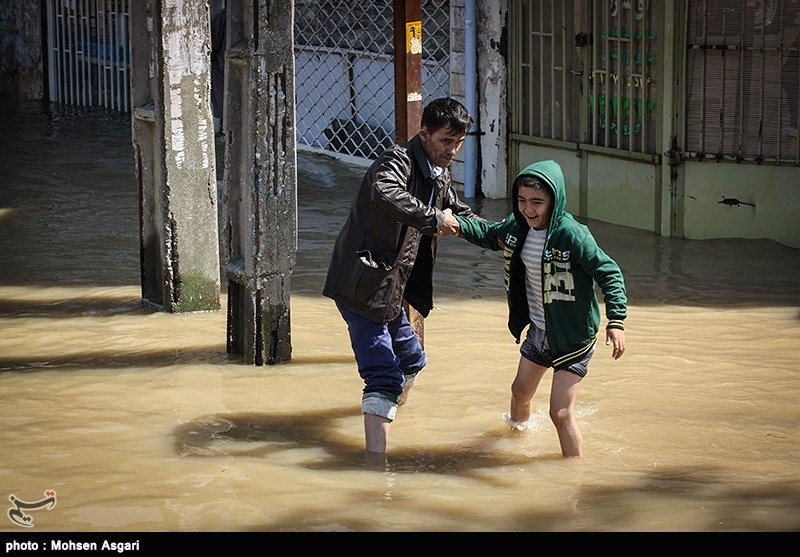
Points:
523	388
562	411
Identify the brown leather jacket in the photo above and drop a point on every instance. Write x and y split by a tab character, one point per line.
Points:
386	249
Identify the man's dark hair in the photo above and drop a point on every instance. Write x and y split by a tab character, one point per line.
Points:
446	113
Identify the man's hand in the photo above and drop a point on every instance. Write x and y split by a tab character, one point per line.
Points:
450	226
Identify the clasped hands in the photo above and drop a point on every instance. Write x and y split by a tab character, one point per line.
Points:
450	226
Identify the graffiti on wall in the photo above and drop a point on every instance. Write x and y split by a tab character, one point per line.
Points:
636	111
623	98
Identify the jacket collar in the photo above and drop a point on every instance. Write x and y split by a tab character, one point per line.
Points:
415	144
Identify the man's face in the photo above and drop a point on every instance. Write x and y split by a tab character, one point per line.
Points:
536	205
442	145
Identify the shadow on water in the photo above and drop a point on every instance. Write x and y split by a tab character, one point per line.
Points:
73	308
115	358
693	486
260	434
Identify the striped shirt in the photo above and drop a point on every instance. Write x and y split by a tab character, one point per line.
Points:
532	257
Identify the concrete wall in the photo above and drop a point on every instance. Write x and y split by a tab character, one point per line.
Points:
21	63
764	200
491	150
773	191
621	191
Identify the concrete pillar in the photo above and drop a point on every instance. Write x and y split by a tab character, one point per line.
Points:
260	179
173	141
492	98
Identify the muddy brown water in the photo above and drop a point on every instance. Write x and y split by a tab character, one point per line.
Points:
140	421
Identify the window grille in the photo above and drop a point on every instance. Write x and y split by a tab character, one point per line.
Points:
88	53
743	74
546	99
616	51
622	81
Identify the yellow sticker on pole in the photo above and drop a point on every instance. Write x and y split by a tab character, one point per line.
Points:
414	37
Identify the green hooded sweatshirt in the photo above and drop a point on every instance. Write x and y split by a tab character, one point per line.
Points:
572	265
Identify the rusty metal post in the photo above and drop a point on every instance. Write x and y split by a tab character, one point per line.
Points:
408	94
260	179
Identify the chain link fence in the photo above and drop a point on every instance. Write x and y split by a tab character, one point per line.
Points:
344	67
344	71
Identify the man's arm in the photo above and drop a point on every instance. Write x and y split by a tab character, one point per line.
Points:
389	193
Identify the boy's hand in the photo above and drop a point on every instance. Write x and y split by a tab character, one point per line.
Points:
616	337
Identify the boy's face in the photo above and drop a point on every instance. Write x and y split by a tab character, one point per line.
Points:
442	145
536	205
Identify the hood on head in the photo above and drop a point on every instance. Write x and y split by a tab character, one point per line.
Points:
551	174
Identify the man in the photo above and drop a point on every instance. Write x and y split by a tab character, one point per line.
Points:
385	254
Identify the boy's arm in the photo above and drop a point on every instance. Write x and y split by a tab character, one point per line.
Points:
480	232
608	276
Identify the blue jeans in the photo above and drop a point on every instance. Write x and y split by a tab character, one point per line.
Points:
385	352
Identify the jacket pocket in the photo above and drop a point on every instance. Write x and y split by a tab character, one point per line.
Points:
364	277
378	284
365	257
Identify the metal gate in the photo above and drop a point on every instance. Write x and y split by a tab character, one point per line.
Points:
88	55
742	64
546	69
622	80
743	76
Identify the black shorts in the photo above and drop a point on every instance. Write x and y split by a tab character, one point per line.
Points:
536	349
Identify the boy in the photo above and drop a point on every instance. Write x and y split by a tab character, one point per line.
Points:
552	264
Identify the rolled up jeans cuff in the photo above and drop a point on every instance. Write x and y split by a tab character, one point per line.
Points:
409	380
378	405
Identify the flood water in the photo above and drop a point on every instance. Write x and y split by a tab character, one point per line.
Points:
141	422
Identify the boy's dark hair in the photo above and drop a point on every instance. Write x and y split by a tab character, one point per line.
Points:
446	112
533	182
